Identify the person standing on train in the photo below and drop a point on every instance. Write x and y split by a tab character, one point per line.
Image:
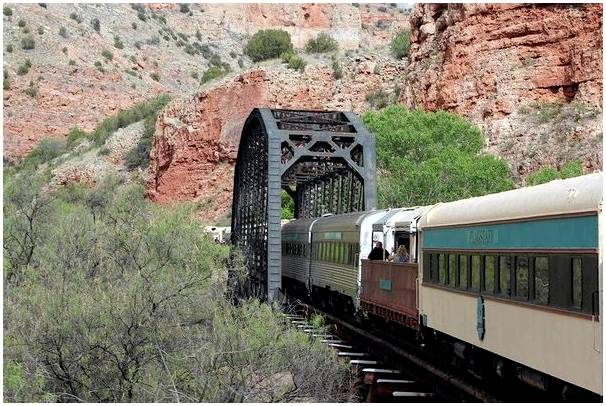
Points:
401	256
378	253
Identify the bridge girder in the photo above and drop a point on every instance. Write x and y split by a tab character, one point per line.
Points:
325	160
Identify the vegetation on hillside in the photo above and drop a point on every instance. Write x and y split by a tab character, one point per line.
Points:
111	298
547	174
268	44
428	157
400	44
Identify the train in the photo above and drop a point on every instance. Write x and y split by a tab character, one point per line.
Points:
508	284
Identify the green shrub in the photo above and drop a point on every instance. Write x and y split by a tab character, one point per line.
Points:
233	55
43	5
127	117
74	137
337	70
400	44
267	44
141	16
155	76
23	69
138	44
107	55
8	11
321	44
40	30
212	73
296	63
285	56
378	99
63	32
64	50
194	75
46	150
6	83
74	16
96	24
198	35
138	7
71	62
118	42
21	23
426	157
134	25
31	91
293	60
9	48
570	170
99	66
28	42
184	8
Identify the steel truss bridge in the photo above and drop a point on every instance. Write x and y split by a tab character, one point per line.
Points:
325	160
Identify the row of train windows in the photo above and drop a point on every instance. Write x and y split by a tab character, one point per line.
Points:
564	281
297	249
337	252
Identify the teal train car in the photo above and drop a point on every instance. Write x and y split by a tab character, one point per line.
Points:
515	278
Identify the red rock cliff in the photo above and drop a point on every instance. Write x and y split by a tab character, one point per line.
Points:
518	71
196	139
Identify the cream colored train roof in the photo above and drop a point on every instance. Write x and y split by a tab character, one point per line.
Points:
574	195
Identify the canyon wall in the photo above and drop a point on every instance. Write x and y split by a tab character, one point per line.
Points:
82	72
529	75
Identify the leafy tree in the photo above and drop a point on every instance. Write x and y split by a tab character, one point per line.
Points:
288	206
400	44
544	175
426	157
267	44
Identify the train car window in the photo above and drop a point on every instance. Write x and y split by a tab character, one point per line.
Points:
452	270
475	272
463	272
577	282
442	269
521	277
489	273
504	275
541	280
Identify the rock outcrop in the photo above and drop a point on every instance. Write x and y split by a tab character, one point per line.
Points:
529	75
196	138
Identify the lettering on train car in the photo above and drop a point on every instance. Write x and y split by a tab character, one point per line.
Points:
482	237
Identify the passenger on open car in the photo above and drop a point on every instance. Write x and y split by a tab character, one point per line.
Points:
401	256
378	253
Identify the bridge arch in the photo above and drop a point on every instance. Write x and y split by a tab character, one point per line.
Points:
325	160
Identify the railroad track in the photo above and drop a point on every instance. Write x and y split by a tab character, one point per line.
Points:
386	372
